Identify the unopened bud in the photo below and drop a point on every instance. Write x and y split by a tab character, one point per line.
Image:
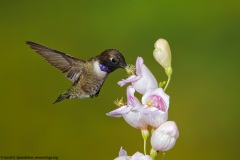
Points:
162	54
165	136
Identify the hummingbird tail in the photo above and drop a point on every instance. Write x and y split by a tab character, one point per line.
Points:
63	96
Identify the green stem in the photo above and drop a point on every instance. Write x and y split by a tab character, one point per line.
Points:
153	153
169	78
163	156
144	147
145	135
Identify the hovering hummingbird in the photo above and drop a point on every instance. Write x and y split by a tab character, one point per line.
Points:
87	76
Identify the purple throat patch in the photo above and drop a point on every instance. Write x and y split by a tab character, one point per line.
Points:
104	68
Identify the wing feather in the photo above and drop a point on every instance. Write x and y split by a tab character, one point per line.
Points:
64	62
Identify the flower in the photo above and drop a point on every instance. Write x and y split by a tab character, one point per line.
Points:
130	111
165	136
162	55
122	155
136	120
137	156
140	156
156	104
143	80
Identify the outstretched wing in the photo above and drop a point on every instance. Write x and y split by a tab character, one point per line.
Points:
66	63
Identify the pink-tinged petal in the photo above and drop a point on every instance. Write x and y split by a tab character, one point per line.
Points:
155	110
139	64
119	111
136	120
155	118
123	158
147	110
158	98
143	80
140	156
165	136
147	73
123	155
122	152
132	101
136	105
146	82
130	95
128	80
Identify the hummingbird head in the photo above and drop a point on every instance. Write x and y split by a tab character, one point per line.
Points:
110	60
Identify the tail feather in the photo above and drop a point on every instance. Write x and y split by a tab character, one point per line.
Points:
63	96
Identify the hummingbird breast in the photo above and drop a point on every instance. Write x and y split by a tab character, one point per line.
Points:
90	81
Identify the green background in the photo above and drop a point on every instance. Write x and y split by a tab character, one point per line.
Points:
204	91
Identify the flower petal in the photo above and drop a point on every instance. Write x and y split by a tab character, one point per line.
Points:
165	136
122	152
155	118
123	155
136	120
130	95
119	111
139	64
123	158
140	156
131	99
128	80
146	80
163	98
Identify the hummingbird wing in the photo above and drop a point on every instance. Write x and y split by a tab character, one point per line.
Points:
66	63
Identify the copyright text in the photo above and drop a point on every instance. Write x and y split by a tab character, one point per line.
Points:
30	157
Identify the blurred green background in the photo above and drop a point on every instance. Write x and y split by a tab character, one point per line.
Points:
204	91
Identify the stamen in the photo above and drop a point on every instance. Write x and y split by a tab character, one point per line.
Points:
120	102
150	102
131	69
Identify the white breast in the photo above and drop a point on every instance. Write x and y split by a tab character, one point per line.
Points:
98	71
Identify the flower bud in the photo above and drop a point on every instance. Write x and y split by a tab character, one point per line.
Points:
162	55
165	136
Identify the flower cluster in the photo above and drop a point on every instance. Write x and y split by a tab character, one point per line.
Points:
152	110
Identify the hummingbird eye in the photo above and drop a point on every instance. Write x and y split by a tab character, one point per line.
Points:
114	60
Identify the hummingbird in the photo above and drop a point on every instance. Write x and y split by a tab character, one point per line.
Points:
87	76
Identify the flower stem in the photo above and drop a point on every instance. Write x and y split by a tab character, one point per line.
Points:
163	156
169	78
144	146
153	153
145	135
168	71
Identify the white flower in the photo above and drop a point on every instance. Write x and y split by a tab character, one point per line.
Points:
122	155
140	156
130	111
143	80
165	136
137	156
135	119
156	104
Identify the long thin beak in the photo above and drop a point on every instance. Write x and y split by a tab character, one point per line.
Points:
123	66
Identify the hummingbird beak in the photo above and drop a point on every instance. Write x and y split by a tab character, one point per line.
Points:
123	65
